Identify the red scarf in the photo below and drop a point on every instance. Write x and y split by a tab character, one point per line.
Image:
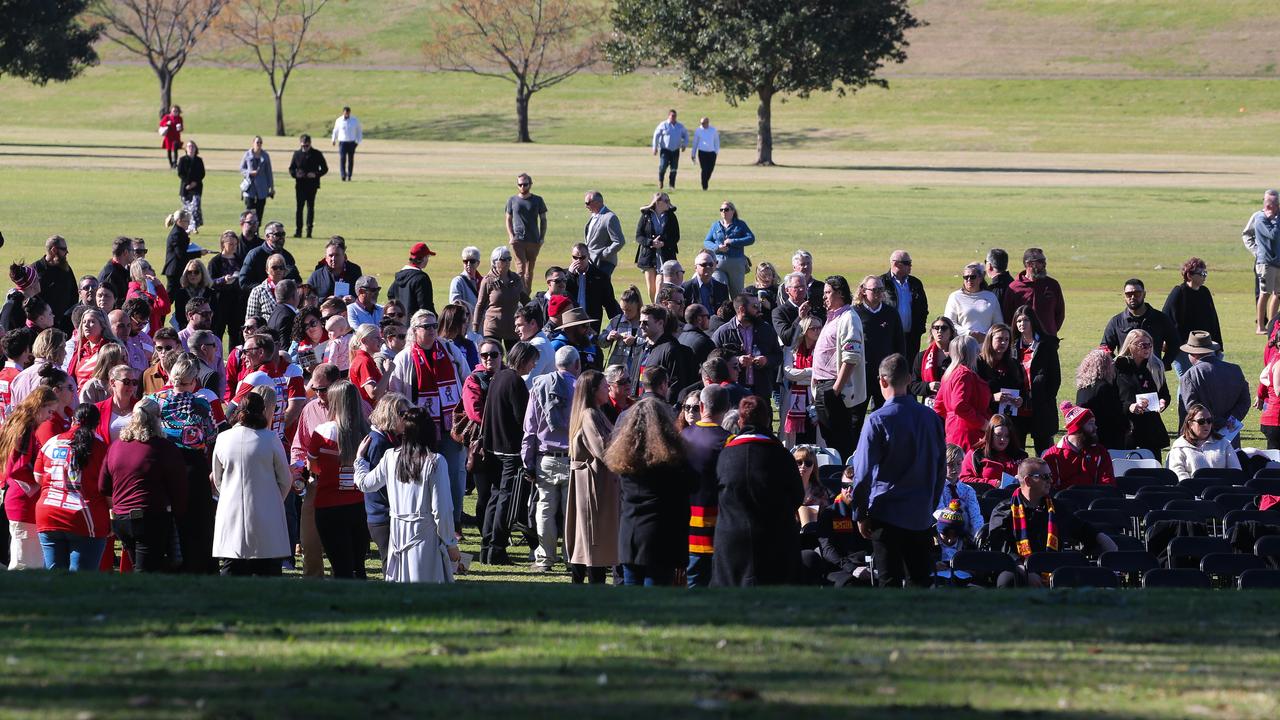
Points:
931	365
798	411
436	381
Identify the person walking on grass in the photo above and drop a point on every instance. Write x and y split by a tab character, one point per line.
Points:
347	134
526	227
670	139
704	150
306	168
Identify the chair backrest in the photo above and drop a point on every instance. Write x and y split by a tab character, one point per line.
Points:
1106	520
1124	505
1131	484
1197	485
1237	501
1125	466
1156	516
1082	495
1231	475
980	488
1214	491
982	564
1257	579
1175	578
1131	454
1128	561
1229	564
1047	562
1267	547
827	456
1204	508
1076	576
1269	517
1187	551
1127	542
1166	493
1264	485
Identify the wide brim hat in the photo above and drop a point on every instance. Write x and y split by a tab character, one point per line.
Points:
1200	342
574	317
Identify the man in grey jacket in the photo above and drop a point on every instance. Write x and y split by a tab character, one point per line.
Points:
1213	382
603	234
1262	237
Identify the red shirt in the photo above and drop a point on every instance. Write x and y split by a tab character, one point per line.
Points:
235	368
70	500
23	489
335	483
1076	466
85	359
964	404
7	375
364	374
991	470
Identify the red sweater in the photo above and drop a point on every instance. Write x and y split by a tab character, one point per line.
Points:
963	402
1043	295
989	470
1072	466
70	501
140	476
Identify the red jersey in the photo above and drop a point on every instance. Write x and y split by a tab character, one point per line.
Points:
22	489
7	375
335	483
286	378
1079	466
70	500
236	367
365	374
85	359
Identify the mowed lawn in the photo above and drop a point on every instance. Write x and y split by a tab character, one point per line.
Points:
165	647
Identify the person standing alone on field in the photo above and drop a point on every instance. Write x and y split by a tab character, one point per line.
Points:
704	150
306	169
670	139
526	227
171	134
347	134
1261	236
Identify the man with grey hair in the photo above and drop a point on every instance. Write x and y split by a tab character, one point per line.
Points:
704	289
905	294
1262	238
545	450
802	262
603	234
672	273
465	286
526	227
795	306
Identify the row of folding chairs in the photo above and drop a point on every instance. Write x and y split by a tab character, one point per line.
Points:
1218	567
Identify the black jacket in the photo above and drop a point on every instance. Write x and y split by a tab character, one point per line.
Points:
698	342
190	170
646	256
757	539
1046	380
12	315
116	277
412	287
671	356
254	269
322	279
176	256
601	303
999	284
918	386
1164	335
60	287
786	322
281	321
1103	398
504	405
693	294
919	303
1008	374
307	161
881	337
654	523
1146	430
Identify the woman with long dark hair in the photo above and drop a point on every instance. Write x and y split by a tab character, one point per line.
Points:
1006	380
308	333
71	514
591	524
1037	353
251	474
422	545
331	453
18	449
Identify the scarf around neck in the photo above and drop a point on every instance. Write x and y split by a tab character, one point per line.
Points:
1020	525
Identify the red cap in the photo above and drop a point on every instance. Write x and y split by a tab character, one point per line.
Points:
558	304
420	250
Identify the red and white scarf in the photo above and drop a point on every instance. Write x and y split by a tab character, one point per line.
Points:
435	383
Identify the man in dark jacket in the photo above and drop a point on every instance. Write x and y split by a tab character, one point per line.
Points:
412	285
705	439
306	168
254	269
998	277
694	333
662	350
590	288
57	281
702	288
501	435
335	275
794	307
761	355
904	293
1139	315
115	274
286	309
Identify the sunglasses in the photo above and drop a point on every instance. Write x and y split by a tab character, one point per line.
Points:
1202	421
312	323
902	262
971	277
140	252
726	209
428	326
804	462
470	261
127	382
523	184
706	264
394	336
939	328
88	288
1038	476
578	257
490	354
504	258
1143	345
276	234
1134	293
1201	273
692	408
321	389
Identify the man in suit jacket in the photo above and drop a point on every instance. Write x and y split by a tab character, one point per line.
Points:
281	320
590	288
306	168
603	234
802	262
913	309
761	353
704	289
693	334
795	306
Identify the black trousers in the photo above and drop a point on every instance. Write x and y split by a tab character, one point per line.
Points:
486	476
668	159
1272	433
706	161
344	535
579	574
497	531
146	540
834	419
346	158
257	205
902	555
260	567
228	315
195	526
305	195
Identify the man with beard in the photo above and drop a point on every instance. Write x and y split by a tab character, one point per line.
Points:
1034	287
1078	458
1138	315
694	333
57	281
249	238
662	350
761	354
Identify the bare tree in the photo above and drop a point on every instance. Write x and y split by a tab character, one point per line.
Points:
277	33
163	31
532	44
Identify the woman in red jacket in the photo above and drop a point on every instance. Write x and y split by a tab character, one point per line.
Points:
71	515
994	457
331	454
171	134
143	284
18	448
94	334
963	399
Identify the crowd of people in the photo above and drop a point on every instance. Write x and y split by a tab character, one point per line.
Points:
670	434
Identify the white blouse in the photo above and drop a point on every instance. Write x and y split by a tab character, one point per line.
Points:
974	313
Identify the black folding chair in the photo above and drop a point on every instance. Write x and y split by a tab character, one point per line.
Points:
1079	576
1186	551
1207	511
1156	516
983	566
1268	517
1267	473
1236	501
1163	494
1256	579
988	502
1165	475
1229	476
1267	547
1082	495
1197	485
1130	484
1107	521
1265	485
1175	578
1132	508
980	488
1127	543
1214	491
1226	567
1048	561
1132	563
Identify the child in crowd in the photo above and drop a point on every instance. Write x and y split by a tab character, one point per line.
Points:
337	349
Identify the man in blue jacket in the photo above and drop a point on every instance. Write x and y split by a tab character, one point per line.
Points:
899	469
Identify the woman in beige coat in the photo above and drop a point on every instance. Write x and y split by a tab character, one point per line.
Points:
251	476
501	294
591	522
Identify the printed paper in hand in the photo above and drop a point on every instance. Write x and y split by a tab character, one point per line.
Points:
1153	401
1231	429
341	289
1007	480
1008	409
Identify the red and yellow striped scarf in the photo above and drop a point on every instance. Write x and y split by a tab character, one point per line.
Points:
1020	525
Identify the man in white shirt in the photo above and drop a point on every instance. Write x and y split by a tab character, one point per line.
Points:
670	139
347	134
705	148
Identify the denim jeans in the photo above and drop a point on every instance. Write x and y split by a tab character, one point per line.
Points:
77	553
698	574
647	575
456	456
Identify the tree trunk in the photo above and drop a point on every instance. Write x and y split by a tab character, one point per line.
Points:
279	116
166	90
764	128
522	116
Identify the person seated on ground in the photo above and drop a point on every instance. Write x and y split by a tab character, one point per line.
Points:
1198	446
1037	523
816	495
841	556
953	490
994	457
1078	458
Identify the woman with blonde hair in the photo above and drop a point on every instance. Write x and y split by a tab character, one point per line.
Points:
143	284
592	521
1096	390
146	494
500	293
963	400
178	248
657	239
973	308
98	387
331	455
94	335
196	282
1143	392
386	426
363	370
765	287
19	447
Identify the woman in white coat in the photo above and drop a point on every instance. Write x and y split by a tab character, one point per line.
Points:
422	547
251	476
1198	446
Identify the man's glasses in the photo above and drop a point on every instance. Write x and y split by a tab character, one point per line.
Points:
523	184
276	234
902	262
1038	476
578	257
1134	293
140	252
471	261
706	264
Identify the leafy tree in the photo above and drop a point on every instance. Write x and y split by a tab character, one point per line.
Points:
532	44
163	32
764	48
42	40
